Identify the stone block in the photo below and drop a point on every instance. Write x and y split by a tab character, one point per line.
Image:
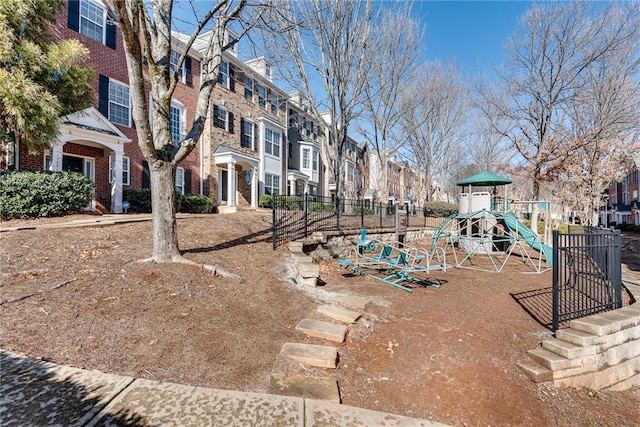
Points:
319	329
352	301
535	373
308	270
296	246
319	388
567	349
339	314
320	356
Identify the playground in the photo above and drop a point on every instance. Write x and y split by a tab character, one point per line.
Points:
447	353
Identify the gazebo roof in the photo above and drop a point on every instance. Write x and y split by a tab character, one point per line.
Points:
484	179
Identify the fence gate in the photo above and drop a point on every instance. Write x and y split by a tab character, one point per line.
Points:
586	273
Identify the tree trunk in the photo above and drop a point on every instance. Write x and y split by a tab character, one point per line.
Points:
163	205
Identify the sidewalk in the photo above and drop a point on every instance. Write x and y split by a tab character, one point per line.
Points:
38	393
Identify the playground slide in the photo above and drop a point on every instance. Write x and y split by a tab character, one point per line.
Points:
528	236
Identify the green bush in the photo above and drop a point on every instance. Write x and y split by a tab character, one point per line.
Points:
364	211
194	203
264	201
139	199
289	202
38	194
439	209
320	207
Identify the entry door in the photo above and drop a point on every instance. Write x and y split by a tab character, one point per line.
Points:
224	180
84	166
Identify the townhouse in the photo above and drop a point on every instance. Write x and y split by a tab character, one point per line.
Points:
622	204
257	140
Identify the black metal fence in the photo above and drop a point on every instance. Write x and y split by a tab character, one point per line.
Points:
586	273
296	217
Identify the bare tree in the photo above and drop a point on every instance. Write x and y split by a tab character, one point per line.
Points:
326	45
147	36
547	63
394	58
433	112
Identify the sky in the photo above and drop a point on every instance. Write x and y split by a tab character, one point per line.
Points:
471	33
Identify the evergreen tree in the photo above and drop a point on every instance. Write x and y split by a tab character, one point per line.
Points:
39	80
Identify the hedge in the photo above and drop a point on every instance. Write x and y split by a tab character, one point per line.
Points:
439	209
140	202
39	194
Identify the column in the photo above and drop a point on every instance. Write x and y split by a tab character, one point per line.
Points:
292	187
116	185
254	188
231	183
56	157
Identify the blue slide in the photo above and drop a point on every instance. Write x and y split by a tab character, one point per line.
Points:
527	235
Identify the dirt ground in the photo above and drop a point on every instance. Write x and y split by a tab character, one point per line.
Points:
446	354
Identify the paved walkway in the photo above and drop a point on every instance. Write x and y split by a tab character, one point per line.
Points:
38	393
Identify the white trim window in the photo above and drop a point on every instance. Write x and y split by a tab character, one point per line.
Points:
247	137
180	180
273	100
248	88
177	122
271	184
92	20
223	76
125	169
262	96
174	59
220	117
351	173
272	142
306	157
119	103
315	160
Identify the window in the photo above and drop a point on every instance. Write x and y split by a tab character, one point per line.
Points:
247	134
176	118
350	173
223	77
174	58
315	160
273	100
248	88
262	96
220	117
180	180
271	184
119	107
125	170
272	142
305	158
92	17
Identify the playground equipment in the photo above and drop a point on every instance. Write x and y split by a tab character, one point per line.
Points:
483	226
394	265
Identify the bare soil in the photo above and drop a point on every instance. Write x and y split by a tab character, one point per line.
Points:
78	297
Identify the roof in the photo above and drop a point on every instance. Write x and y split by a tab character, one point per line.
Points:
621	207
483	179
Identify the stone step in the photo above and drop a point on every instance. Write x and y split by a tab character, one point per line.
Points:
580	338
339	314
352	301
553	361
296	246
567	349
535	373
320	356
325	330
605	323
301	258
310	270
318	388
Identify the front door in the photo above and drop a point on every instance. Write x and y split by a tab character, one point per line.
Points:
224	193
83	165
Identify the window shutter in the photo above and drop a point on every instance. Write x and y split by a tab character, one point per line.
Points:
216	121
242	140
103	95
187	181
146	175
255	137
110	39
73	18
232	79
230	119
187	71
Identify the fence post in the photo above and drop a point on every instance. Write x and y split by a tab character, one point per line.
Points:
616	261
305	214
556	281
361	214
380	210
338	212
273	221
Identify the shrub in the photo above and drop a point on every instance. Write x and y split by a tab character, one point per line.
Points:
439	209
139	199
363	211
194	203
289	202
37	194
320	207
264	201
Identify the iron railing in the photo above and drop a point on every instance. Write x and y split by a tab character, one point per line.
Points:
297	217
586	273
